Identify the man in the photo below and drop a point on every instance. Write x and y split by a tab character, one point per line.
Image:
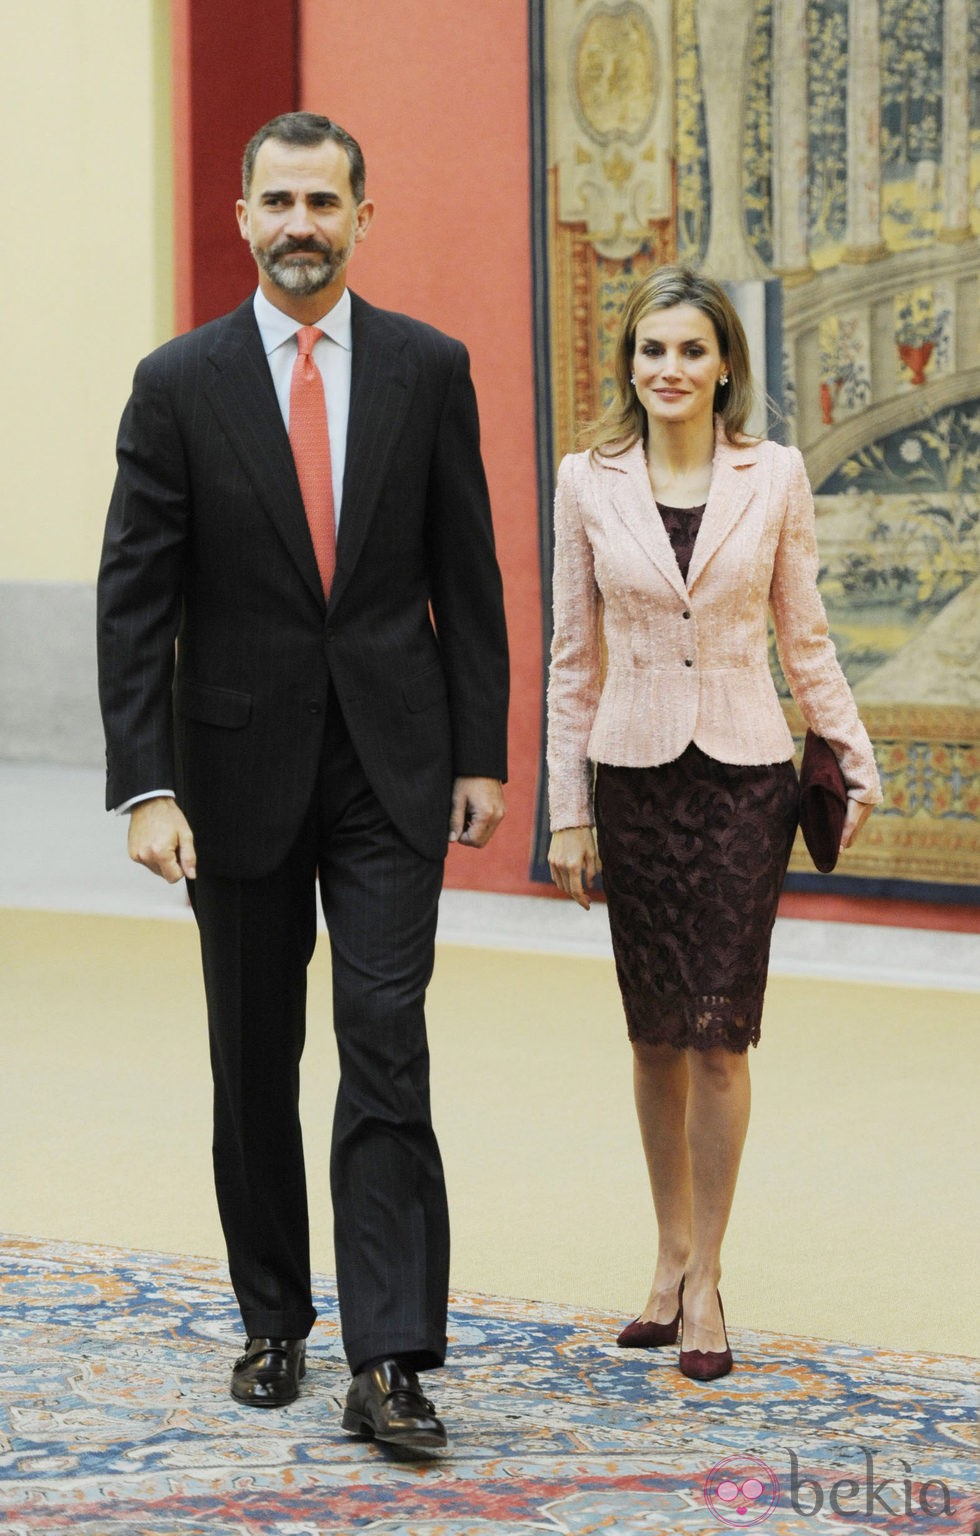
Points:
300	503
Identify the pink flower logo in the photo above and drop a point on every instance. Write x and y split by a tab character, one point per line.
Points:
741	1491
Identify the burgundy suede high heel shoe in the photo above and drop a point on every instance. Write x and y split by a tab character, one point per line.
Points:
641	1335
707	1364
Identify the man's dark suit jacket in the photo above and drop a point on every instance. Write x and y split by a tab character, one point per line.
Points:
207	542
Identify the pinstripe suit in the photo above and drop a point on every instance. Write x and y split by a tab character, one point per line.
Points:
306	737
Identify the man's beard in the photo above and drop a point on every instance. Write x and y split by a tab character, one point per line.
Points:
303	278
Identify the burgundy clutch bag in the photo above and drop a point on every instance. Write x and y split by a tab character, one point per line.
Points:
823	802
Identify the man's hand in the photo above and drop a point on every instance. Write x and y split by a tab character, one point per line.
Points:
574	862
478	809
160	838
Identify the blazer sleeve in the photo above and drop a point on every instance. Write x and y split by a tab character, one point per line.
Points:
574	682
806	650
466	587
139	592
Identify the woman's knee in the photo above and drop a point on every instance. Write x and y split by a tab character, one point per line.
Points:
656	1061
719	1069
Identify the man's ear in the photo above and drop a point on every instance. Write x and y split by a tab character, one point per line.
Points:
365	214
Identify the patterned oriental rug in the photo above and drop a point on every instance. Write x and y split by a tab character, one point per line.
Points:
116	1419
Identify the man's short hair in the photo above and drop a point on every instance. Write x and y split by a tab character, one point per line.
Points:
306	129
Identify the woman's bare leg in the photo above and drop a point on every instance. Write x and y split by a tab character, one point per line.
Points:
718	1103
660	1087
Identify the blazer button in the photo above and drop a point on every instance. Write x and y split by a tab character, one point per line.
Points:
686	614
313	708
689	662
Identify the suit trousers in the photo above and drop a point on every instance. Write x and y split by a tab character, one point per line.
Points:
391	1228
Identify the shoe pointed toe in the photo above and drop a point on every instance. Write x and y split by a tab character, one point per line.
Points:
641	1335
705	1365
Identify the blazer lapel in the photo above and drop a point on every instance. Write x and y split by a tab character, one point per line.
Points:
632	498
243	396
382	379
734	479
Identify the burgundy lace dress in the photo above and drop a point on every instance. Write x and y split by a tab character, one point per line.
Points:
694	853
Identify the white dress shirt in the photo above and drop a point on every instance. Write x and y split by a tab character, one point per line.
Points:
332	355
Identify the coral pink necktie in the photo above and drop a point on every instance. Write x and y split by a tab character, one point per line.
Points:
310	442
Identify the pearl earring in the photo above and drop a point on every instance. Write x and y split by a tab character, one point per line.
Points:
723	379
633	378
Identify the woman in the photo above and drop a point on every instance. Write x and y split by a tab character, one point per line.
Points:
689	532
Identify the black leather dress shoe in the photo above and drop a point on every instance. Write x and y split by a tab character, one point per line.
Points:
385	1403
268	1374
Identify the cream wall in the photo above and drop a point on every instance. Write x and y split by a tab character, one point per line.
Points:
85	265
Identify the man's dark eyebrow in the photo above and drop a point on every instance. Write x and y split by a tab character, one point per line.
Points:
322	194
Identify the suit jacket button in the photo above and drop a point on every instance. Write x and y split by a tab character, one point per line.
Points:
689	662
686	614
313	708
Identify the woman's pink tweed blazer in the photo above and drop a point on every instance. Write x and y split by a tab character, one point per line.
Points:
689	662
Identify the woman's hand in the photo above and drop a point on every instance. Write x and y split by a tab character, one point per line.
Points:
857	815
574	862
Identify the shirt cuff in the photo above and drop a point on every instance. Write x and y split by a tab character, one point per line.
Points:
150	794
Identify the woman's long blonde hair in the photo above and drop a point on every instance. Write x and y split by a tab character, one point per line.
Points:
624	420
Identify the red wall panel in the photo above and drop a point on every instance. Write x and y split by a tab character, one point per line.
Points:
233	69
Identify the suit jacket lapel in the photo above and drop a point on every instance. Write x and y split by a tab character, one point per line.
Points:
734	479
241	391
382	377
633	501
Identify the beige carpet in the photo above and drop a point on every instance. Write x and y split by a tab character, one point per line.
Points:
856	1217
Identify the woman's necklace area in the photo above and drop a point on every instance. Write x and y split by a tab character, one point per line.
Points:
688	489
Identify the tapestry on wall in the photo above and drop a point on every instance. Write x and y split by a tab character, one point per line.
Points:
822	161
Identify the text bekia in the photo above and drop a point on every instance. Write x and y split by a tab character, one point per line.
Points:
853	1496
